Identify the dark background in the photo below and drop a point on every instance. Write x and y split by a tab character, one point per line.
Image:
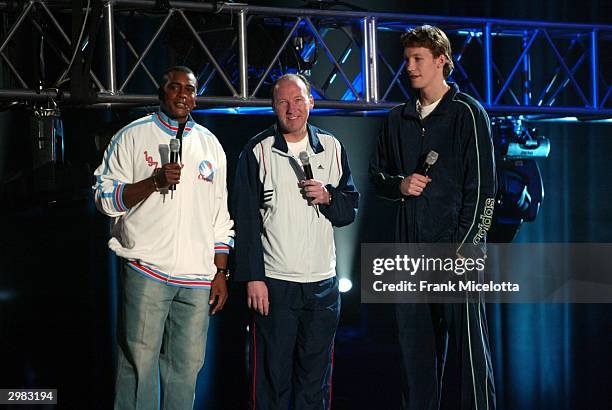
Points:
58	279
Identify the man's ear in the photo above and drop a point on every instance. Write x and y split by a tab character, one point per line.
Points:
161	94
441	60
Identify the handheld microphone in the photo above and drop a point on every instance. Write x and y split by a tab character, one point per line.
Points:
306	165
175	147
430	160
308	173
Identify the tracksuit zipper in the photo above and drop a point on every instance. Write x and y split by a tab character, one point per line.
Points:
414	203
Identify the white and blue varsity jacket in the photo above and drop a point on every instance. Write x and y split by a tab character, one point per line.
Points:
278	234
170	240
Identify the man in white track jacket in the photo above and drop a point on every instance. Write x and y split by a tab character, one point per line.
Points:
174	244
285	250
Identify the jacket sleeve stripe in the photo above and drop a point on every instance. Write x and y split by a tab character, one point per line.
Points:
222	248
262	160
119	198
478	173
336	146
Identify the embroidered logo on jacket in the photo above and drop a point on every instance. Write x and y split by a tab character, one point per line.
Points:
149	159
486	219
207	171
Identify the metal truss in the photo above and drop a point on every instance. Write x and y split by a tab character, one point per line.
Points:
352	58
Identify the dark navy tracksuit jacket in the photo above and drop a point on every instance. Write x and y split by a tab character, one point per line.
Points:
456	207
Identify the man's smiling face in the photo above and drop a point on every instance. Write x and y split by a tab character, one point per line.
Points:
292	105
179	95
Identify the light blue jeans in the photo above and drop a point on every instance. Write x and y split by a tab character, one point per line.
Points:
162	340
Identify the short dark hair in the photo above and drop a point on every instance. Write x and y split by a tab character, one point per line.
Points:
166	77
291	76
433	39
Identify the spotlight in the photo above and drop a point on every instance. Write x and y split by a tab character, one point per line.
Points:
520	187
47	136
345	285
47	145
513	140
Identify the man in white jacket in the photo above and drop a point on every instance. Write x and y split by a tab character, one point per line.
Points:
174	245
286	251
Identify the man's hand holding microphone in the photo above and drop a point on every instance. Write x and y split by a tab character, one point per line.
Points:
415	183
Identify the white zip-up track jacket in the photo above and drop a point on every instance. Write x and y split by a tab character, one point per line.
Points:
278	234
172	240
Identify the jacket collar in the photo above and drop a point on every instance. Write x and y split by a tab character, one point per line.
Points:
410	106
281	144
170	126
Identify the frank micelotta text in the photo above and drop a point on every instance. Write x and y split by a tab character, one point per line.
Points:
449	286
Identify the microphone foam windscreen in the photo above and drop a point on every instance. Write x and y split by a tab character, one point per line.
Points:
175	145
304	158
432	157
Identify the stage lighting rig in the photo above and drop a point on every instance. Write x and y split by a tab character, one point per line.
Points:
305	52
513	140
46	145
520	189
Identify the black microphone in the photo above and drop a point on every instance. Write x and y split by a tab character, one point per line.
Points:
306	165
430	160
308	173
175	148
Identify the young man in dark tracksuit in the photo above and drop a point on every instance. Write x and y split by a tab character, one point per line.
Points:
452	204
286	252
